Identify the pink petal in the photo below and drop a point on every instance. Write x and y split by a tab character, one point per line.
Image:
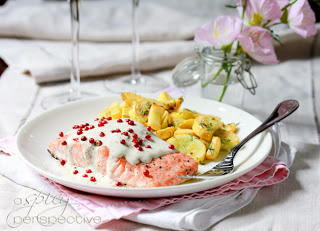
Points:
302	19
257	42
220	32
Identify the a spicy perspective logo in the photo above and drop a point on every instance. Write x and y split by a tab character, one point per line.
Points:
45	210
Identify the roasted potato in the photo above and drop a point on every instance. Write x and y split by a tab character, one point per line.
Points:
180	132
213	148
130	98
164	96
188	114
228	139
165	133
205	125
190	145
142	108
186	124
231	127
155	115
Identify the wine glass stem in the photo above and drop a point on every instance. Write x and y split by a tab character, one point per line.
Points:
135	72
75	70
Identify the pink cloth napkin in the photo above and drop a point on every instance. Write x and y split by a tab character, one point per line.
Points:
270	171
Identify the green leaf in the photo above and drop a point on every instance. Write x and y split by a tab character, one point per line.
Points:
275	37
231	6
191	137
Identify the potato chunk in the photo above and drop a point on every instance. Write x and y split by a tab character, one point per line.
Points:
155	115
188	114
164	96
130	98
165	133
228	139
213	148
189	145
186	124
205	125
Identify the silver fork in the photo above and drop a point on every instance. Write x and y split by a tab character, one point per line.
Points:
226	166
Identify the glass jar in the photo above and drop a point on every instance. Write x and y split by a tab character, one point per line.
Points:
223	77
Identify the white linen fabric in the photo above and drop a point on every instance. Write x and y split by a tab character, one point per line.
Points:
189	214
105	26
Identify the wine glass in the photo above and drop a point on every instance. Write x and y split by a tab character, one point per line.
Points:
74	92
136	82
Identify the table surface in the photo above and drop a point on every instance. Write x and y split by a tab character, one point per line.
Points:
290	205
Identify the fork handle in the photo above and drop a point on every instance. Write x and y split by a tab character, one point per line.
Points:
283	110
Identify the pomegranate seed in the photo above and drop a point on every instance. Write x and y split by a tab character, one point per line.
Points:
75	127
93	179
118	183
87	124
171	146
102	118
79	132
101	134
140	149
62	162
75	172
86	128
149	128
91	141
119	120
88	171
104	122
75	139
140	142
130	130
127	120
109	118
64	142
148	146
83	138
124	133
148	137
61	134
123	142
98	142
134	135
96	119
82	125
146	172
131	122
136	144
92	127
118	130
84	175
100	124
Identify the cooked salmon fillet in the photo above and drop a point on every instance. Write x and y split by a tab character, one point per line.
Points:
161	171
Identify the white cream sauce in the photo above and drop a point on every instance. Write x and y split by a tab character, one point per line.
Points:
116	149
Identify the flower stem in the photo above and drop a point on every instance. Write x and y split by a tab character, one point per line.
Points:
225	85
213	78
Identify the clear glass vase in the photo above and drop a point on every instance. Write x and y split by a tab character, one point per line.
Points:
224	76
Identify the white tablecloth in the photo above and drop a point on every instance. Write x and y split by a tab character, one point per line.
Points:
290	205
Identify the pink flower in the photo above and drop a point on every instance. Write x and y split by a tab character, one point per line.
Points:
257	42
221	32
259	11
301	18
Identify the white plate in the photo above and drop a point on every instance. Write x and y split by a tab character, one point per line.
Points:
35	135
